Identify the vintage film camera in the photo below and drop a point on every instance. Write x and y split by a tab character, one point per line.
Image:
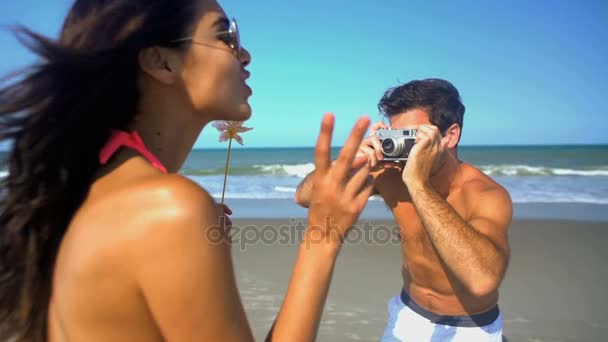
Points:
396	143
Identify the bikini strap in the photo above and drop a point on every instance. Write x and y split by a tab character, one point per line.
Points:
120	139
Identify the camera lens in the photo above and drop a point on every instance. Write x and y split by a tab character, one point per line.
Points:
388	146
392	147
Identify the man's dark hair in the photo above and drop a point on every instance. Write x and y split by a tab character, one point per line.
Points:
438	97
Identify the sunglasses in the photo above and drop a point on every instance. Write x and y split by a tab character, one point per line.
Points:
230	37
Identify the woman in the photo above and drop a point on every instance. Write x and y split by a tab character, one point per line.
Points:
101	239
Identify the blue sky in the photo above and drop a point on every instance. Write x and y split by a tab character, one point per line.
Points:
529	72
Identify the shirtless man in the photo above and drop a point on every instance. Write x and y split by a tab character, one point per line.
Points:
453	221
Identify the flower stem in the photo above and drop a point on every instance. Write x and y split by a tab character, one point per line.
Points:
226	170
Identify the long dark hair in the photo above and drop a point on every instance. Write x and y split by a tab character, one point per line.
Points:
56	115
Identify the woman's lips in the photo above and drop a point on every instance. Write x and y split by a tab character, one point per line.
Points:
246	75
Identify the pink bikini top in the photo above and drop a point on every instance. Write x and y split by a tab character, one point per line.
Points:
120	139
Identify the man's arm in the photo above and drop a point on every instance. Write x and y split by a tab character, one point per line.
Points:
476	251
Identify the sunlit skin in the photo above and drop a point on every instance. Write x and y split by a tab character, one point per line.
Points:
136	263
97	293
453	219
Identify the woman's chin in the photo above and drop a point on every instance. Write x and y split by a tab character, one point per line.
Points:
243	114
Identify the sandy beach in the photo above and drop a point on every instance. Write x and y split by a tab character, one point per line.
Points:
555	288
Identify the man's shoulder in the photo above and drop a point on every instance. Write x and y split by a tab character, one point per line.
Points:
475	180
478	187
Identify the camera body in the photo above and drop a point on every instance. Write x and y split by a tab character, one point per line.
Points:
396	143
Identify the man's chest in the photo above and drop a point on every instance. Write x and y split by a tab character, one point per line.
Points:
411	225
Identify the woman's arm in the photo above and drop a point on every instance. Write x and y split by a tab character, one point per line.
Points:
184	267
335	205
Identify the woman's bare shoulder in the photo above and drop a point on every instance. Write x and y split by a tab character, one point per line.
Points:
152	239
167	200
179	258
147	208
152	196
174	192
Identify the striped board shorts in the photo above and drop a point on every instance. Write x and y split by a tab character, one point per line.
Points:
409	322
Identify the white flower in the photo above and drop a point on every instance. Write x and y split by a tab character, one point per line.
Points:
230	130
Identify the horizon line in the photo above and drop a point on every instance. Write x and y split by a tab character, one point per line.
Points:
3	149
468	145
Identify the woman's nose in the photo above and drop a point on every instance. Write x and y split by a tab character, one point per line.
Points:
245	57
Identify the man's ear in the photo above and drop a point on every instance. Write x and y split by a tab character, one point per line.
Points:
158	63
452	136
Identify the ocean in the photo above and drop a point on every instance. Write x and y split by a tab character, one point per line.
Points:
568	182
539	174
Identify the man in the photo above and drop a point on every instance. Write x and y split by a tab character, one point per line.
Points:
453	221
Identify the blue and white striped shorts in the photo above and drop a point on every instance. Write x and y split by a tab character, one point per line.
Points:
410	322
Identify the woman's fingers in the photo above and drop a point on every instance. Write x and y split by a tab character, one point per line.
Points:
363	195
227	209
323	149
356	182
225	222
347	154
360	160
334	189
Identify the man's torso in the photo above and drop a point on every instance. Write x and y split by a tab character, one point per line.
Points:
425	277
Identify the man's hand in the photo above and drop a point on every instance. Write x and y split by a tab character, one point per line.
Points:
371	146
387	175
425	157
